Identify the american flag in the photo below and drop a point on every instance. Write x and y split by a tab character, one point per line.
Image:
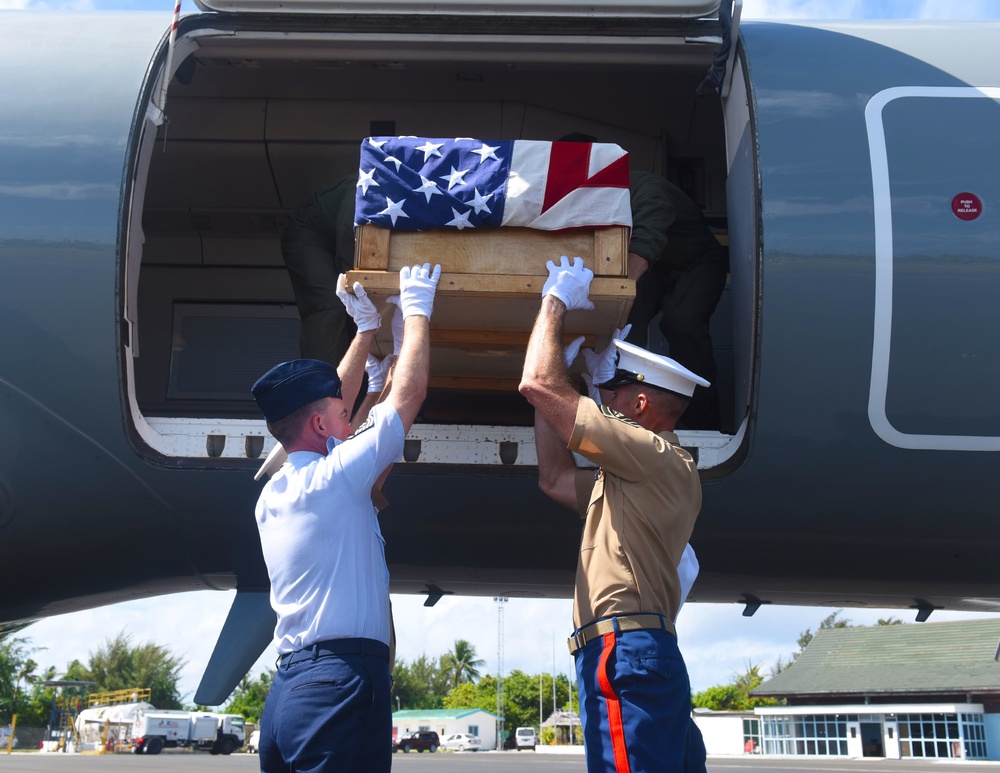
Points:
418	183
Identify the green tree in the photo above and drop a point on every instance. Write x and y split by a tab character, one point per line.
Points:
722	697
249	696
734	696
37	709
521	694
26	673
521	698
473	695
16	665
117	665
420	684
461	664
889	621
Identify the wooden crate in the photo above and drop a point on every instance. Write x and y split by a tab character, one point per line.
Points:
490	292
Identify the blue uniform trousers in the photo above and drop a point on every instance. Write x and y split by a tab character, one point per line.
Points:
635	702
329	712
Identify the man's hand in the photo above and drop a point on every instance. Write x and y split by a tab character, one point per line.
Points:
601	366
416	289
637	266
570	283
358	305
377	370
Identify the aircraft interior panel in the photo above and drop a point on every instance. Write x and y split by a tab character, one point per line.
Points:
248	140
165	289
242	249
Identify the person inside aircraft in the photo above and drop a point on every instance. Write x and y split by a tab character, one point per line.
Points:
317	245
680	271
329	704
627	588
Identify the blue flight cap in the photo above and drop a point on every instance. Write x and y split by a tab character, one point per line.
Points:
635	365
288	386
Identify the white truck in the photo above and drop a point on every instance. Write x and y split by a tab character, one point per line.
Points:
152	731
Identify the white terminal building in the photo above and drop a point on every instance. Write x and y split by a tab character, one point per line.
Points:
924	690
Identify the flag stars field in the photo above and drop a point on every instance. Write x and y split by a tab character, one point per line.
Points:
460	221
430	149
393	210
455	178
366	180
428	188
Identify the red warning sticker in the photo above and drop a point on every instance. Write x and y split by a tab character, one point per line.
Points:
967	206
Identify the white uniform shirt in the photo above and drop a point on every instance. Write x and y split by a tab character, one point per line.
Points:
687	573
321	541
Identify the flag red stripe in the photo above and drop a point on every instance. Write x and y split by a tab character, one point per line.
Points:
614	175
569	163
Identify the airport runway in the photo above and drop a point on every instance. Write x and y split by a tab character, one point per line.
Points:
508	762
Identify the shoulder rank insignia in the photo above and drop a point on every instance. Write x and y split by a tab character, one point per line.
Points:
613	414
369	423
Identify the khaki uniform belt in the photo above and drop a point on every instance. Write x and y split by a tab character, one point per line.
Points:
644	621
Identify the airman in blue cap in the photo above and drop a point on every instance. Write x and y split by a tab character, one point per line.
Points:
329	704
639	510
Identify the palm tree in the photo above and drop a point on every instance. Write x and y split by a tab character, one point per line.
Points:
461	664
26	673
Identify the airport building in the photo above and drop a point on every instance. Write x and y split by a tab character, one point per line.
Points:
447	722
926	690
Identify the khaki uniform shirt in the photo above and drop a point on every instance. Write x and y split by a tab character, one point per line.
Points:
640	511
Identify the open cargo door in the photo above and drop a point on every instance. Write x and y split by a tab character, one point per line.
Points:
268	102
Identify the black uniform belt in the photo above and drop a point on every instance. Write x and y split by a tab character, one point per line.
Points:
336	647
643	621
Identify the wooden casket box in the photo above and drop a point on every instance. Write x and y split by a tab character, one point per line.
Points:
490	292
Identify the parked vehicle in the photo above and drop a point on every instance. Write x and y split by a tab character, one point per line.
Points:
424	739
153	731
526	738
461	742
253	742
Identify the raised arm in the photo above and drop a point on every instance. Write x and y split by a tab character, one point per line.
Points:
417	286
368	320
545	381
556	469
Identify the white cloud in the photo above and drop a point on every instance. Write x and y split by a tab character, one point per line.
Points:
802	9
870	9
48	5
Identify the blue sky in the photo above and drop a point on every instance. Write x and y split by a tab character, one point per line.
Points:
716	639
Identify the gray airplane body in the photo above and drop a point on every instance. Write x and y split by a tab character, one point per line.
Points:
852	166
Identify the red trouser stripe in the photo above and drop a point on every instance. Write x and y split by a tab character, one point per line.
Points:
614	707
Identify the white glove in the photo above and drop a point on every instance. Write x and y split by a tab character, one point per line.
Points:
377	371
358	305
572	349
397	324
416	289
601	367
570	283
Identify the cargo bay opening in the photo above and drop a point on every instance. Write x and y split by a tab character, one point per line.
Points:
263	112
